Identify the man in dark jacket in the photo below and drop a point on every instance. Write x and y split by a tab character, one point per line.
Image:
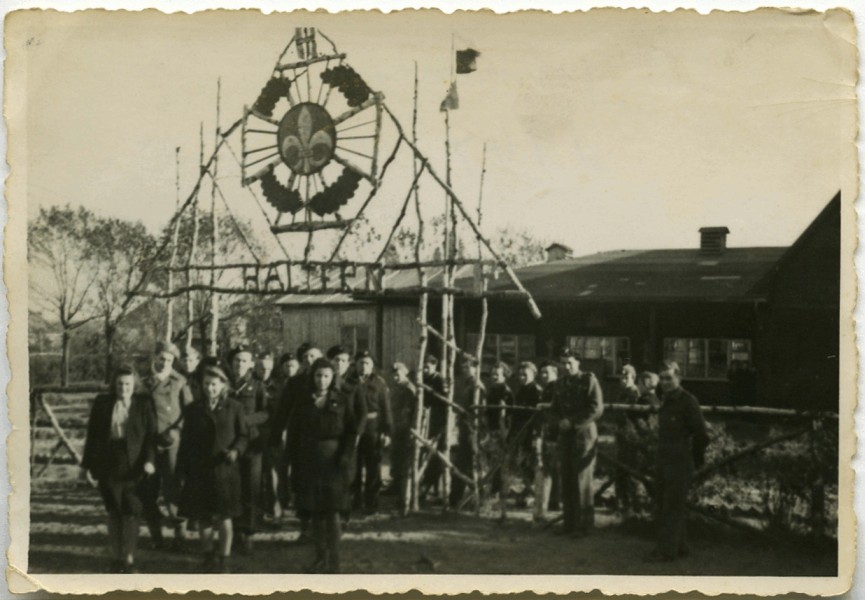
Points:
248	391
682	441
370	391
577	403
170	394
438	418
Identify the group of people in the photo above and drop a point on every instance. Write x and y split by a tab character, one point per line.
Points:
224	446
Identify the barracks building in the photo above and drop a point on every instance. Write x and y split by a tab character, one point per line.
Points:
750	326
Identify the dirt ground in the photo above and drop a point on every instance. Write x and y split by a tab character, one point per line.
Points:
68	535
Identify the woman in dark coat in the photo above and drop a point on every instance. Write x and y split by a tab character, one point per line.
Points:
119	452
322	433
214	438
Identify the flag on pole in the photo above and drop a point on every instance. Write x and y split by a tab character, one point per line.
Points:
452	100
467	61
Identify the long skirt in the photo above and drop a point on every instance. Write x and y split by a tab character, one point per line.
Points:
324	485
213	492
119	486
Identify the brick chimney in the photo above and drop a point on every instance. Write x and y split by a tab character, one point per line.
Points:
558	251
713	240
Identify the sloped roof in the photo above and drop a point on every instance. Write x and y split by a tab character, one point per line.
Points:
650	275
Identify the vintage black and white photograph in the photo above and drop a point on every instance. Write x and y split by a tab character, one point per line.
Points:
307	297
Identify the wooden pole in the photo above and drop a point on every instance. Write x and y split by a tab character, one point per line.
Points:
479	353
169	304
412	500
190	313
214	296
55	424
450	466
533	307
419	384
446	354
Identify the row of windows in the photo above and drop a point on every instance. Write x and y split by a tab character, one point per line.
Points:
698	358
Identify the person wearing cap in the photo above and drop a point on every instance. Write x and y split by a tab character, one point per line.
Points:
271	456
214	439
170	394
322	439
404	407
192	366
525	426
119	450
463	452
627	442
682	442
547	472
249	393
438	418
577	403
294	387
371	392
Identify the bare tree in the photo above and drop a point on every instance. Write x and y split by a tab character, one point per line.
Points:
63	276
237	243
122	253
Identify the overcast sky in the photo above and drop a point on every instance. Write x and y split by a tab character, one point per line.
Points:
605	130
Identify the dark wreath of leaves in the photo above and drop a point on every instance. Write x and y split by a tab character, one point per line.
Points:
328	201
348	82
279	196
334	196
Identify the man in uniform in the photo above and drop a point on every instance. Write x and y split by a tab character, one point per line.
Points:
404	406
271	453
627	442
248	391
577	403
171	395
438	417
463	452
682	441
192	368
371	391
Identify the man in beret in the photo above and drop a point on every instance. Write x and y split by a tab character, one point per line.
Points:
576	402
171	395
248	391
371	391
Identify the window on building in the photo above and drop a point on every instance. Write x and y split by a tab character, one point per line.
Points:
509	348
604	356
354	338
702	358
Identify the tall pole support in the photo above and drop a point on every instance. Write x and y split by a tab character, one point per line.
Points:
214	298
411	501
447	356
193	244
418	420
169	304
479	399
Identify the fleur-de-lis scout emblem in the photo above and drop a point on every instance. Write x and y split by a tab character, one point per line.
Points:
307	138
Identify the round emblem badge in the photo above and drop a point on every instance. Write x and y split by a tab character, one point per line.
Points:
306	138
